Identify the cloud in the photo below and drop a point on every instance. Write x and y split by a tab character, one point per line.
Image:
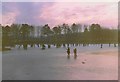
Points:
54	13
9	18
9	13
27	12
0	18
103	13
19	12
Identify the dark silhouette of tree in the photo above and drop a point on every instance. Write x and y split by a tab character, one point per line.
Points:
24	34
32	31
79	28
57	30
15	31
95	27
25	31
38	30
46	31
6	36
86	29
69	31
65	28
95	32
74	28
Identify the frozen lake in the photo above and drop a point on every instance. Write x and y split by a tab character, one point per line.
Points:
53	64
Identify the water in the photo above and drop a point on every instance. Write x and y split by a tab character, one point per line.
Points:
53	64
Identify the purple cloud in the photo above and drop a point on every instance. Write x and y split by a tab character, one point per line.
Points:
53	13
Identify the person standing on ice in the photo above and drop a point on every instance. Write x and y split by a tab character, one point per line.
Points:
75	53
68	51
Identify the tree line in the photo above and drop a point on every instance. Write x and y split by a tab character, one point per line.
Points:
23	34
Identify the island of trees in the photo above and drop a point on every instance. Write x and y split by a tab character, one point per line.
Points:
61	35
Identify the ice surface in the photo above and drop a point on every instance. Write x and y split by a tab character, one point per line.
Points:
53	64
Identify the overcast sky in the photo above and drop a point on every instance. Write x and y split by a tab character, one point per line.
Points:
54	13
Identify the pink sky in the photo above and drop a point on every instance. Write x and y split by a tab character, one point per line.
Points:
56	13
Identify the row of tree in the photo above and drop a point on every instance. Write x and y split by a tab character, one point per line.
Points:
23	34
